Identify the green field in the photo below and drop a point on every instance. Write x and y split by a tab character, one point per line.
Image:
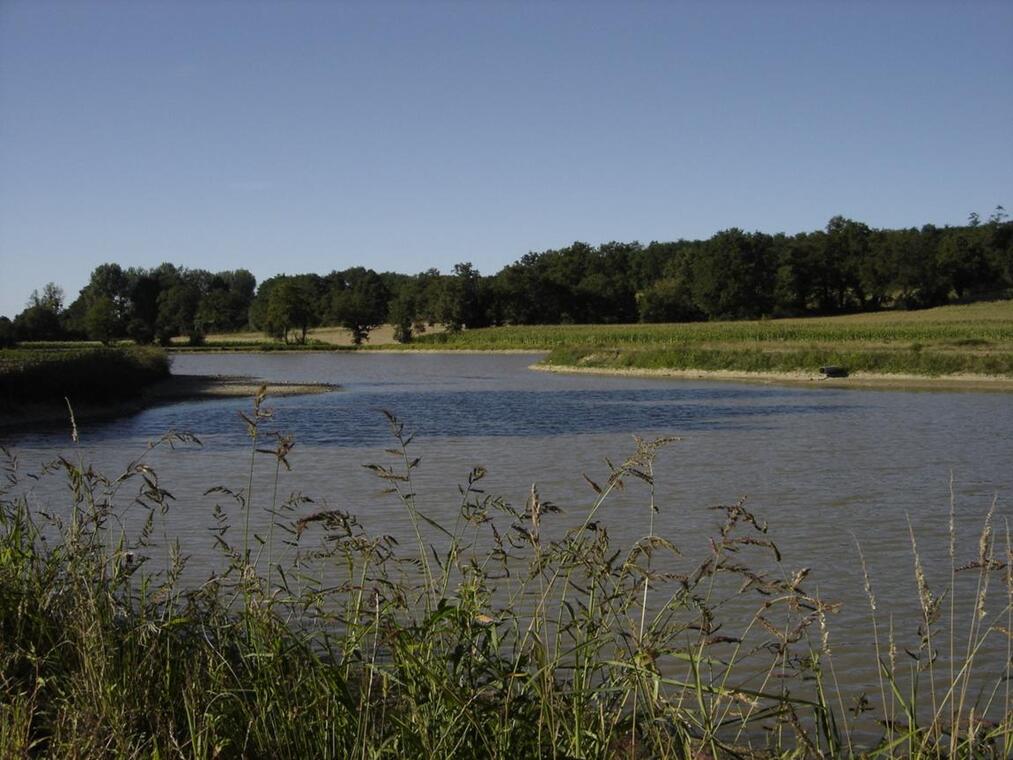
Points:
976	338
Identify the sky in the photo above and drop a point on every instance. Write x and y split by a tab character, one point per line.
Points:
312	136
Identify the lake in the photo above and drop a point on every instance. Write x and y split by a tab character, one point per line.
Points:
825	467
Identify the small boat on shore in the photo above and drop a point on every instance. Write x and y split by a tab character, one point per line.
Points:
832	371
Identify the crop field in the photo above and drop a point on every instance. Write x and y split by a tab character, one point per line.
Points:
972	339
981	326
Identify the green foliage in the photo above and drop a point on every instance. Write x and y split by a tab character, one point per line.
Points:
734	279
38	323
100	321
8	335
291	306
80	374
177	313
140	332
402	313
667	300
455	301
847	267
358	302
51	297
161	303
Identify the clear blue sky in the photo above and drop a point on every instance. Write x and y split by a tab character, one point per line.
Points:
311	136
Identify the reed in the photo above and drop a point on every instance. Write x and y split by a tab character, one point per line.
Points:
83	374
515	631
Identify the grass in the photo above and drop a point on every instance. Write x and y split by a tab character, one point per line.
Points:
82	374
508	633
884	362
976	338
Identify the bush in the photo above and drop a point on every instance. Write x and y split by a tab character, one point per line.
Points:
80	374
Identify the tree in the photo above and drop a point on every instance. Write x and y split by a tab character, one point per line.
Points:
403	312
51	297
8	337
845	247
38	323
667	300
110	281
965	263
291	306
217	311
177	313
144	287
734	277
457	304
100	320
225	303
915	278
359	303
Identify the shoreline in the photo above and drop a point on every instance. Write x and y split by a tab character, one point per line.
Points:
171	390
864	380
362	350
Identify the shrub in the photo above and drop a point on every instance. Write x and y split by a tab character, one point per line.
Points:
80	374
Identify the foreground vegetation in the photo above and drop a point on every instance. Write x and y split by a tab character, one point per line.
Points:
514	632
82	374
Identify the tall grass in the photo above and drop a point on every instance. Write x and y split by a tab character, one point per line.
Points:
515	631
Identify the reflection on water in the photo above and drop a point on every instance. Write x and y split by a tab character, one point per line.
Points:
826	467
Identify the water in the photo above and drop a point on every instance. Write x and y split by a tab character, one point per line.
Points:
827	468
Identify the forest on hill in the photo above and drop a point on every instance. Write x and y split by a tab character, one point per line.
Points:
846	267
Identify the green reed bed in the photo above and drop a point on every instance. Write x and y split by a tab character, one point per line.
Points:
83	374
915	361
514	631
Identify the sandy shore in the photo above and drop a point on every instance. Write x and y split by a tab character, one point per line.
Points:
809	379
193	387
173	389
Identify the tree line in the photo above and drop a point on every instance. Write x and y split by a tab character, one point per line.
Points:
845	267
